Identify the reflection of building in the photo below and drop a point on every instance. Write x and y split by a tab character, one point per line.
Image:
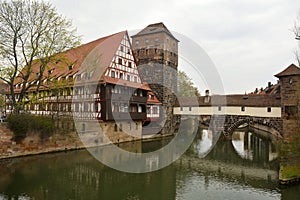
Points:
99	80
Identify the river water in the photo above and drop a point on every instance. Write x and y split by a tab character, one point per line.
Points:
243	168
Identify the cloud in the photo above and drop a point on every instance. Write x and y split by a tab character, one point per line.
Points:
249	41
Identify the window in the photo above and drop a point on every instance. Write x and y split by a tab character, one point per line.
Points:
152	97
135	79
243	108
121	48
291	111
190	108
121	75
219	108
70	67
155	110
113	74
136	126
128	77
269	109
120	61
129	64
181	108
83	127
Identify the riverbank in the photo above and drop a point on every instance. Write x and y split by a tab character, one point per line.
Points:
32	145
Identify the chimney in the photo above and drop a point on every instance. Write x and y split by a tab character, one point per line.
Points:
206	98
206	92
269	84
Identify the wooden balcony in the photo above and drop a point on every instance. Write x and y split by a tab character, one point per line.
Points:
126	116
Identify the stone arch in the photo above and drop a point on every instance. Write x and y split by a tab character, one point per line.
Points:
259	123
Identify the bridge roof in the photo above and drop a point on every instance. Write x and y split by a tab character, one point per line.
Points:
233	100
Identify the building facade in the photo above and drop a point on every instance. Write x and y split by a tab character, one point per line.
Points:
98	81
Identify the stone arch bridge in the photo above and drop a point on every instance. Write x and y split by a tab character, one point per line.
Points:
227	113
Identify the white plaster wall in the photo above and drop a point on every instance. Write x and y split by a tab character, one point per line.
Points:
230	110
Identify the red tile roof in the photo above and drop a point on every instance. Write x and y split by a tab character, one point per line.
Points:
154	100
93	58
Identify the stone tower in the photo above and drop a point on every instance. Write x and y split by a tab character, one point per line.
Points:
290	101
290	113
156	52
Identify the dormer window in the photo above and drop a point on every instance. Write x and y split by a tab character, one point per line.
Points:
78	77
70	78
70	67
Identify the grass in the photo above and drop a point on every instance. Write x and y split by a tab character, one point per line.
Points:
289	172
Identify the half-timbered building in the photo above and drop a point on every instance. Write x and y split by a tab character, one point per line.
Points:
99	80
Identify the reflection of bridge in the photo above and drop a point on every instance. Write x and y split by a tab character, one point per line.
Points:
226	113
226	161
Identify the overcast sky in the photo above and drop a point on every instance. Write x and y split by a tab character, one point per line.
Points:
248	41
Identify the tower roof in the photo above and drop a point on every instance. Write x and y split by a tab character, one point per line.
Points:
155	28
289	71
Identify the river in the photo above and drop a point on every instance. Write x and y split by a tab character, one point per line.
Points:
244	168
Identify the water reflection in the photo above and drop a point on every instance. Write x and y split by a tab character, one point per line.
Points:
223	172
251	146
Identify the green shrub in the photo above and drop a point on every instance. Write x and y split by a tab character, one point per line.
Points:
22	124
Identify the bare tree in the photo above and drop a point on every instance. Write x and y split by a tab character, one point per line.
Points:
31	34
